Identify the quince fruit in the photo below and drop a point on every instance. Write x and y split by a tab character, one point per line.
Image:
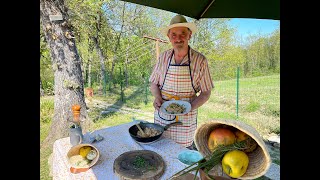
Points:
220	136
84	151
235	163
251	143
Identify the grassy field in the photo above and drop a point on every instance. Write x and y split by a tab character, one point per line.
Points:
258	106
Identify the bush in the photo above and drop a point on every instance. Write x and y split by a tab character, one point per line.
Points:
46	109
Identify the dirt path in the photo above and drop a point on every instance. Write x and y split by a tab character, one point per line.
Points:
138	114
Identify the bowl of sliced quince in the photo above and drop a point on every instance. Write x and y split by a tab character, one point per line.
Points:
83	156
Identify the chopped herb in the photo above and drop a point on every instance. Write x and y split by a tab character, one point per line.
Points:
140	163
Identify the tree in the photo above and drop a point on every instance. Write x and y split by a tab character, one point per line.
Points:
68	81
41	89
90	22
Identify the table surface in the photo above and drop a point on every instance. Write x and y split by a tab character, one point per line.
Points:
116	141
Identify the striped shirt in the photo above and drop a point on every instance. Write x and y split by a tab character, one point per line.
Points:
199	70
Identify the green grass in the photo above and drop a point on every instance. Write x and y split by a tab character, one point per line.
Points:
44	168
259	106
46	114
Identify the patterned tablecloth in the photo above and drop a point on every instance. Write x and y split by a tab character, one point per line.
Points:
116	141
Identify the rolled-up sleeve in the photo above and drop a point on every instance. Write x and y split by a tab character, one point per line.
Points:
158	73
206	83
155	75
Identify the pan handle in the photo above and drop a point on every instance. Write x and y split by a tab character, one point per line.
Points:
172	124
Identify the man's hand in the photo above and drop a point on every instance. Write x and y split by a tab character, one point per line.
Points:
200	100
157	96
157	103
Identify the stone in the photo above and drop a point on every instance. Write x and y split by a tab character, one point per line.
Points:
273	172
274	139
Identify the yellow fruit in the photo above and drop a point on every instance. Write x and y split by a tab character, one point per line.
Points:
235	163
220	136
84	151
241	136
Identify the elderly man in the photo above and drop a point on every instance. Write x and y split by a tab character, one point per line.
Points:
181	73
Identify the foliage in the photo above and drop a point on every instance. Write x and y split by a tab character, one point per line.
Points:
263	55
46	109
46	72
120	26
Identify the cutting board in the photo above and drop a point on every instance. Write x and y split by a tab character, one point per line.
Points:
139	164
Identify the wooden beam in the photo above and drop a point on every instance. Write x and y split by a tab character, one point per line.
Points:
156	39
157	44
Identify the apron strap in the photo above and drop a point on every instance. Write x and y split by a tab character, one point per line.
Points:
170	59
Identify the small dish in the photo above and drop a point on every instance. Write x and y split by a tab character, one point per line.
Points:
74	157
185	104
189	157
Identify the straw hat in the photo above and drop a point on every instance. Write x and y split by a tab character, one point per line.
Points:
259	159
179	21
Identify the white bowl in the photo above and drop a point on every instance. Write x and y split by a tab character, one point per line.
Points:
185	104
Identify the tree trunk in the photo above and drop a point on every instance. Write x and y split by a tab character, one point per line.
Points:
89	72
114	59
102	66
126	75
68	86
41	89
82	66
88	65
111	79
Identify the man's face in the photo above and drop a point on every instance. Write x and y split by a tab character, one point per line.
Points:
179	37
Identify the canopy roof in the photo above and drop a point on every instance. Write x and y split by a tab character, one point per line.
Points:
197	9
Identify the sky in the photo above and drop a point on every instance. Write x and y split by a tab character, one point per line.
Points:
246	27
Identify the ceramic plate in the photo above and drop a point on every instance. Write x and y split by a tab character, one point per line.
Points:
189	157
185	104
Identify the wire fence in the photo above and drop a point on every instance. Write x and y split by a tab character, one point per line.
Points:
255	100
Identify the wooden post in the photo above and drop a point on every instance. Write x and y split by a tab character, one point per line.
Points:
157	44
157	49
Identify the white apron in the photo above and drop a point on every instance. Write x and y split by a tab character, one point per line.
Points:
178	85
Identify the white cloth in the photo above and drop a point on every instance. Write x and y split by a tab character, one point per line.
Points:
117	140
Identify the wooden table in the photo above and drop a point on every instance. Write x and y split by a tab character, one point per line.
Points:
116	141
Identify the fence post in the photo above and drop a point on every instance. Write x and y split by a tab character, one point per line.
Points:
237	106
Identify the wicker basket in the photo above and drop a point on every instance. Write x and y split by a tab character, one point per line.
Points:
259	159
75	151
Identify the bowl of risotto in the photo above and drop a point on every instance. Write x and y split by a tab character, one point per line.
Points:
83	156
175	107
